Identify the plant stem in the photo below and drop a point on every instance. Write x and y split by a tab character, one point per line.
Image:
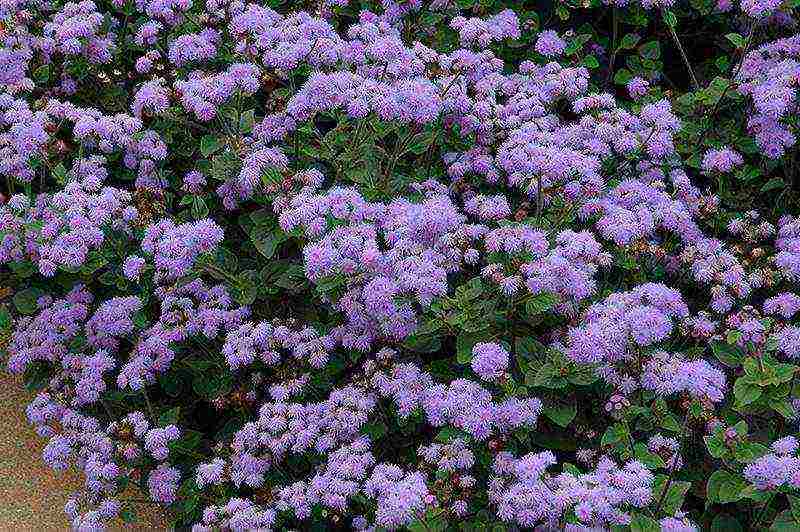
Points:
614	32
685	58
149	406
714	110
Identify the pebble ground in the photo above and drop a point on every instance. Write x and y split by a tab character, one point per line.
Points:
32	496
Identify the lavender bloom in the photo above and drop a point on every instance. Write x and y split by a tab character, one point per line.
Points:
489	361
400	496
194	182
482	33
785	305
132	267
776	469
151	98
163	484
265	341
525	495
175	248
722	160
760	8
210	473
193	47
788	341
637	88
788	245
766	77
668	374
549	44
47	335
677	523
111	321
156	441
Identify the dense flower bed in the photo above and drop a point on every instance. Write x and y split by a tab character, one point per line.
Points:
406	264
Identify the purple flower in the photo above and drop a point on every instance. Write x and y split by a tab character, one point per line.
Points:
163	484
549	44
132	267
489	361
638	87
722	160
175	248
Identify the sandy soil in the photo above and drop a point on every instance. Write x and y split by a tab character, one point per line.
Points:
32	496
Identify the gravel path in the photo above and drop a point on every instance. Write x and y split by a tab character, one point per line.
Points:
32	496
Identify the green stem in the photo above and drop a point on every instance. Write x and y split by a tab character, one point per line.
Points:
615	31
149	405
714	110
684	57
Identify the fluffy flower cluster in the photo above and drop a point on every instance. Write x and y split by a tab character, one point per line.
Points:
778	468
767	77
388	202
527	495
61	230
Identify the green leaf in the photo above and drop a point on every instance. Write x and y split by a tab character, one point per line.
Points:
675	493
420	143
560	413
36	376
540	303
730	355
209	145
794	505
724	487
187	443
464	344
271	176
375	431
127	515
616	433
650	50
716	445
171	384
42	74
212	385
670	422
582	375
5	319
23	268
170	417
25	300
737	40
783	372
784	408
642	523
591	61
629	41
199	208
548	375
725	523
246	121
623	76
670	19
650	460
267	241
776	183
746	451
246	288
784	522
423	343
60	173
448	434
744	392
